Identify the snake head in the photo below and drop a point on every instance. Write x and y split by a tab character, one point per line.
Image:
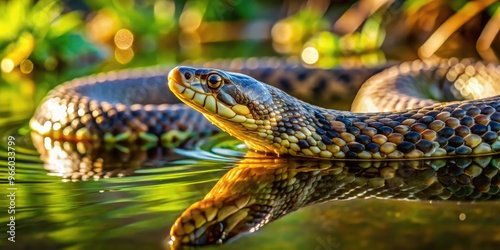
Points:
238	104
213	221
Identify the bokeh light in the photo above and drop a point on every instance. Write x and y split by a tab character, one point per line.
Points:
164	10
190	20
102	26
282	32
26	66
50	63
310	55
287	32
124	56
124	39
7	65
462	216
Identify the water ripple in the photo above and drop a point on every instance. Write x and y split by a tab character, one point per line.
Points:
220	147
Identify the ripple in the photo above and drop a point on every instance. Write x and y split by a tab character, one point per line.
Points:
28	166
17	127
221	147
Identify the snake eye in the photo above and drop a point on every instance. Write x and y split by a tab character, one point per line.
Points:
187	75
214	81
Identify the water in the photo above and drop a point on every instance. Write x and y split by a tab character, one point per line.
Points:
56	209
54	212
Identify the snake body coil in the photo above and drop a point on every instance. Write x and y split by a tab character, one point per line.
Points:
135	106
131	106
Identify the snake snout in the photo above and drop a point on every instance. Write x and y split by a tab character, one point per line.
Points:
181	75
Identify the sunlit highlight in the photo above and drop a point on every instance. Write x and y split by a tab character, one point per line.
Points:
58	111
310	55
7	65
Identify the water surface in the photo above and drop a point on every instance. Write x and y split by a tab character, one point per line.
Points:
138	207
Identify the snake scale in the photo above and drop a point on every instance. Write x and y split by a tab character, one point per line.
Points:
136	106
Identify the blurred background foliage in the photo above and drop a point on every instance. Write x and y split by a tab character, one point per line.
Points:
43	43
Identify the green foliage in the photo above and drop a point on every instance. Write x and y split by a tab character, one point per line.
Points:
143	18
224	10
42	32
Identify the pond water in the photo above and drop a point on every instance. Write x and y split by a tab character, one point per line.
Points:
136	201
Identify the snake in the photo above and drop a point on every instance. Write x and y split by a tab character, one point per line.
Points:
259	190
135	107
423	111
392	115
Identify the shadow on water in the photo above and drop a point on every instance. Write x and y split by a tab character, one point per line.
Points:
86	196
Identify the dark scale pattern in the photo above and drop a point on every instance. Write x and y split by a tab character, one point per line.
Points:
363	139
495	116
405	146
458	113
332	134
377	125
303	144
326	140
453	126
467	121
488	110
494	126
490	137
462	131
356	147
412	137
450	135
372	147
320	131
385	130
424	146
456	141
478	129
473	112
426	119
446	132
353	130
442	141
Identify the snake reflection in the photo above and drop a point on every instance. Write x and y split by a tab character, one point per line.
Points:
259	189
